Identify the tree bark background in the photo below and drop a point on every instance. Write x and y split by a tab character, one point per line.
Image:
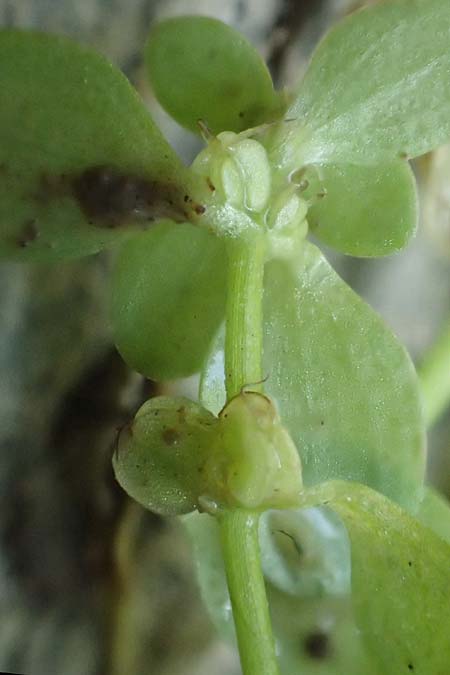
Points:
91	584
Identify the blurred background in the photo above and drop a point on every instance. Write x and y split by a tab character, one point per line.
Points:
90	583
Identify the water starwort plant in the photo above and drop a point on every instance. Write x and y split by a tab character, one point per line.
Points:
302	464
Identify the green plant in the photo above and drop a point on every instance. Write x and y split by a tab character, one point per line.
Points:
308	438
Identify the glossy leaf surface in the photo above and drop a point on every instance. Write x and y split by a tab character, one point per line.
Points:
377	87
362	210
159	456
346	389
169	289
400	582
81	161
200	68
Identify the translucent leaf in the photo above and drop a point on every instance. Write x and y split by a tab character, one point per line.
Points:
346	389
377	87
400	580
81	161
200	68
169	288
434	512
361	210
159	456
315	630
318	636
305	552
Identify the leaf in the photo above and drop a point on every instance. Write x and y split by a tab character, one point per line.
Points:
361	210
434	512
169	289
305	552
318	636
201	69
203	531
159	457
400	579
315	630
377	88
82	164
346	389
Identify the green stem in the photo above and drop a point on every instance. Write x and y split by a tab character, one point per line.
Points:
434	375
239	535
243	340
239	528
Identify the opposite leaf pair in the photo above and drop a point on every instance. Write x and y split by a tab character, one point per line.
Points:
176	457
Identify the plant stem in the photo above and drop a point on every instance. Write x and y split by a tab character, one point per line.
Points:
239	536
434	374
243	340
239	528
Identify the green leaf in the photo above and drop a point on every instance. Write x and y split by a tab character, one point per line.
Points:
315	629
305	552
203	531
377	88
346	389
159	456
201	69
318	636
434	512
169	288
400	580
81	162
361	210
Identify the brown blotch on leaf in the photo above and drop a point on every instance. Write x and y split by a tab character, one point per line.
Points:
199	209
110	198
317	645
29	234
170	436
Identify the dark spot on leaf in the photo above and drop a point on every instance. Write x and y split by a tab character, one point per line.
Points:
317	645
181	414
29	234
111	198
322	423
403	154
210	184
199	209
410	666
409	563
170	436
241	114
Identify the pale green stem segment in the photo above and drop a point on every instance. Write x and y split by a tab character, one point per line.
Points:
243	339
434	374
239	536
239	528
